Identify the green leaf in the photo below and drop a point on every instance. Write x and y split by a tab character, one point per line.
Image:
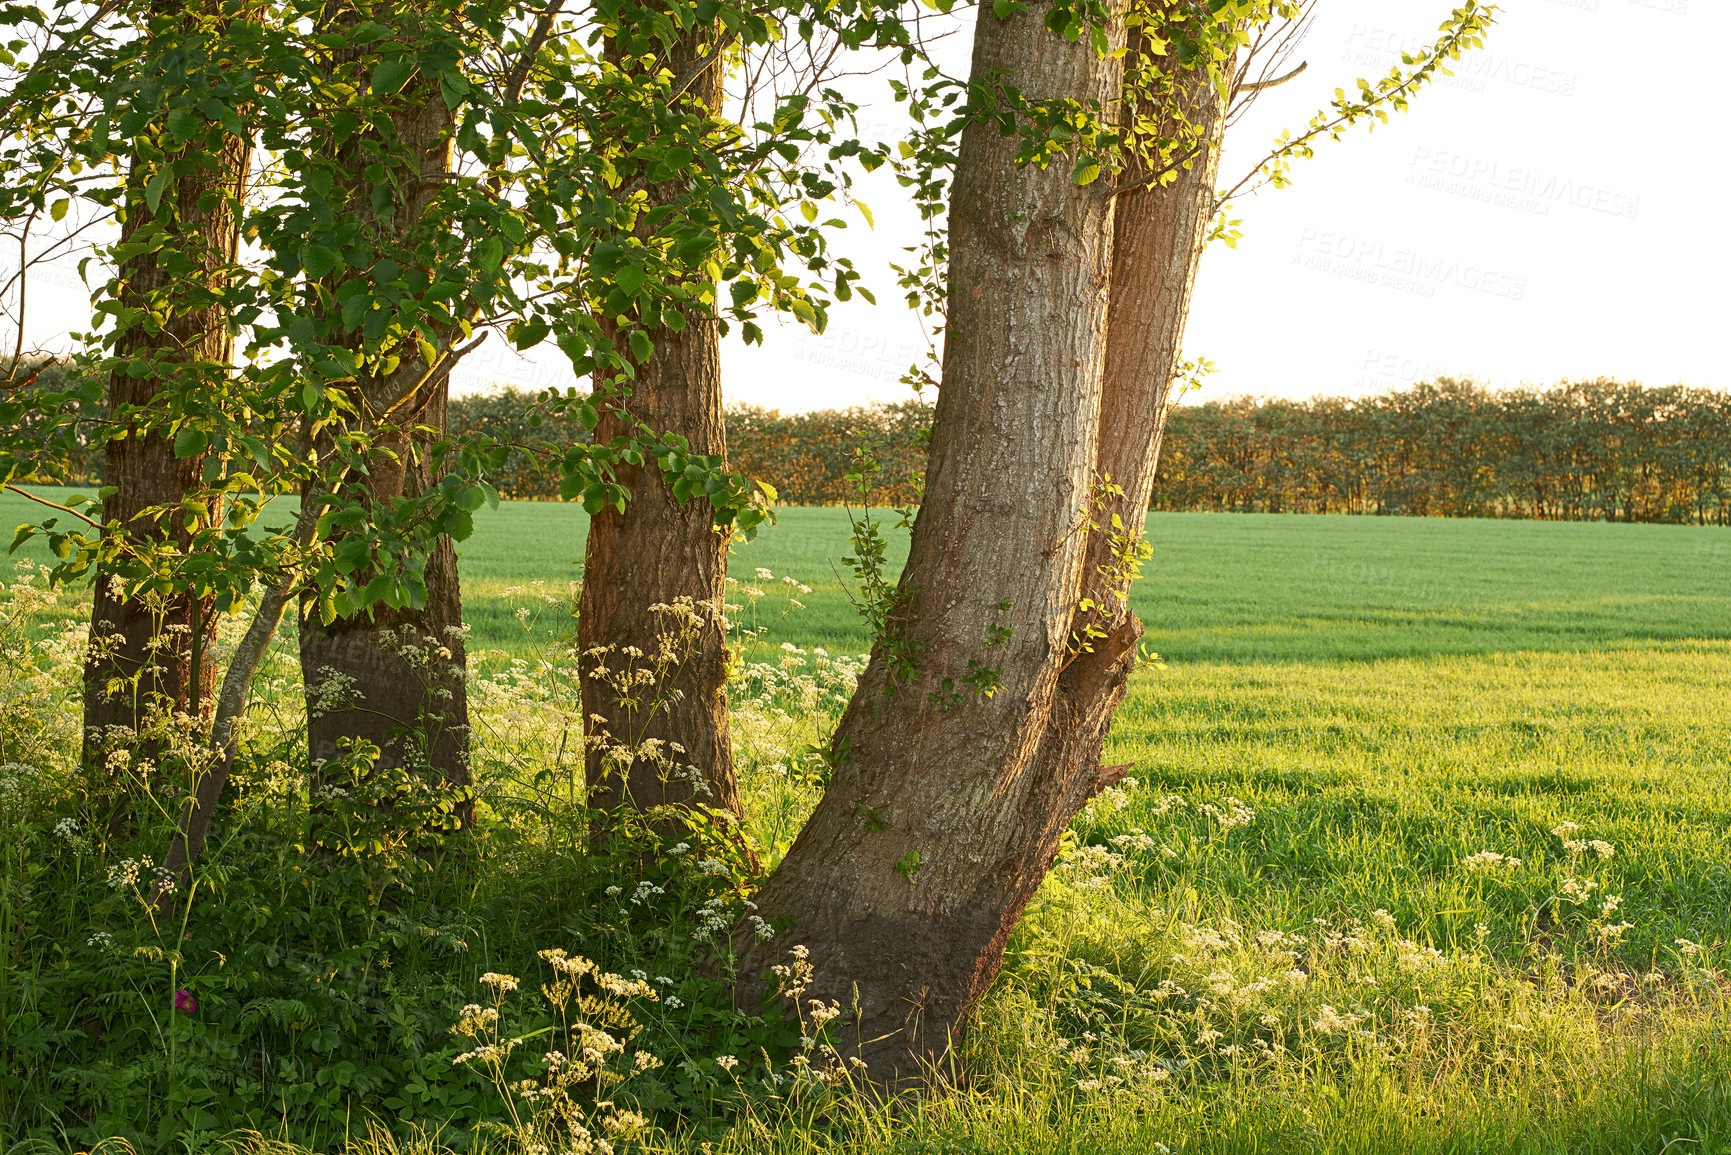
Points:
184	124
190	442
310	397
154	187
222	114
318	260
528	334
390	75
630	278
453	87
808	210
57	210
640	346
355	308
381	588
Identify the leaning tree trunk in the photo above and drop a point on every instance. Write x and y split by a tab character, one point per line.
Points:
663	741
397	677
149	660
942	816
1158	236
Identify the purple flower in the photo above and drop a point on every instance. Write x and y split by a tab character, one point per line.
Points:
183	1001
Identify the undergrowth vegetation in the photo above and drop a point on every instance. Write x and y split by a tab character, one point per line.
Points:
1472	902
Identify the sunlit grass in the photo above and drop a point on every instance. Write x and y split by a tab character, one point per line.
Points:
1373	704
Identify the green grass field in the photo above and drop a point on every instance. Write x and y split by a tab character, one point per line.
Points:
1378	701
1390	697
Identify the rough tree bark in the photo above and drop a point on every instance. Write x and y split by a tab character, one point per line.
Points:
945	808
145	657
397	678
659	551
1159	233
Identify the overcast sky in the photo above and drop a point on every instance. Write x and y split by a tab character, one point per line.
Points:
1553	210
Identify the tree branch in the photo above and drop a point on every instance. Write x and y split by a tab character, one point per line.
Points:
52	505
1259	85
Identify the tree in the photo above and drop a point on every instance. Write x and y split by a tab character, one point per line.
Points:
974	737
149	658
650	622
652	613
391	675
931	835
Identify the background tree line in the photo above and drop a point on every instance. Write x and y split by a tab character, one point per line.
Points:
1578	451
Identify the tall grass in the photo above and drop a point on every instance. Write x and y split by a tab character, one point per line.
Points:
1359	898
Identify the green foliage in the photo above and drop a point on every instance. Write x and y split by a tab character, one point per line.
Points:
318	973
378	264
1576	451
882	600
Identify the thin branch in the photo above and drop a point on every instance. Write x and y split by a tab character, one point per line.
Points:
1259	85
51	504
519	73
702	64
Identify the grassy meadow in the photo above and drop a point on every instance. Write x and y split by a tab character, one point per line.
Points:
1428	847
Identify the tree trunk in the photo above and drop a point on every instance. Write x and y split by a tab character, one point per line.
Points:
398	678
231	703
1158	237
945	807
148	657
664	742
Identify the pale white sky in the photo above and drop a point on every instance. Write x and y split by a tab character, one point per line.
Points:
1548	212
